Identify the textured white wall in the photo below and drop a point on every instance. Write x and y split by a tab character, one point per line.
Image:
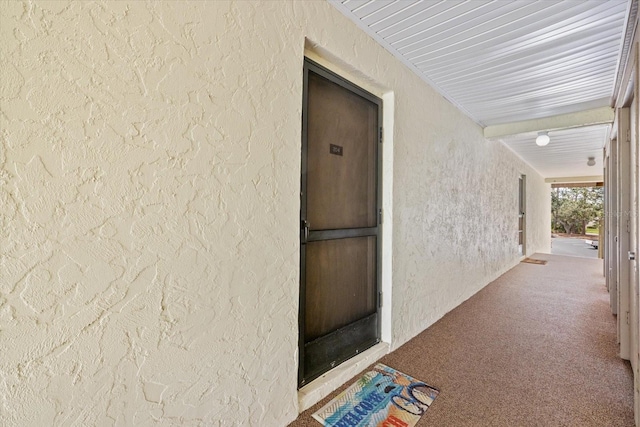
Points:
149	207
456	208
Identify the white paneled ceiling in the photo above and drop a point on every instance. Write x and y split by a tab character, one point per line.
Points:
504	61
567	153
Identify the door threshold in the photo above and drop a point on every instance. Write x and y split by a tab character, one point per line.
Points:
322	386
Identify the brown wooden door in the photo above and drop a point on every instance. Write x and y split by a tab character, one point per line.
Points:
339	219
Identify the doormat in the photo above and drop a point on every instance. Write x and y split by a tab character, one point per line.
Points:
383	397
534	261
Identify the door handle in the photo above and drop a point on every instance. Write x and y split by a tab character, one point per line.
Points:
304	225
632	256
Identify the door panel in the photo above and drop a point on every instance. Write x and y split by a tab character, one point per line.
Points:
339	215
341	162
341	292
324	353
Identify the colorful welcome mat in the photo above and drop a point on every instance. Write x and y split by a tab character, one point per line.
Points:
383	397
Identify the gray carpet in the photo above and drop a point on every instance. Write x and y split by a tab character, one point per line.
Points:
537	347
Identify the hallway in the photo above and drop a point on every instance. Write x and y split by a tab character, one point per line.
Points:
153	172
537	347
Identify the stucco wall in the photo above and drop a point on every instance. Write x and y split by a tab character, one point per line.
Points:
149	193
456	207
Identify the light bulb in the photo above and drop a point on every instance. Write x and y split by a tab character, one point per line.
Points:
543	139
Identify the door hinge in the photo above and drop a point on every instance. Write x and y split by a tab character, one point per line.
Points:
380	299
628	226
379	216
380	135
628	318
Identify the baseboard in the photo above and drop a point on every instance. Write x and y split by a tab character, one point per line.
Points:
321	387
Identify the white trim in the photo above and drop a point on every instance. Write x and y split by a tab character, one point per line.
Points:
388	105
625	53
574	179
317	54
597	116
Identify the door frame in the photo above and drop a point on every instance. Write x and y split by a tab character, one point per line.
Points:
522	213
624	231
611	212
313	66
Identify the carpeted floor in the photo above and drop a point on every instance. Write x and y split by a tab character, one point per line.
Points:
537	347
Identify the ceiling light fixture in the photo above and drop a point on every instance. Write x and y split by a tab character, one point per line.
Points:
542	139
591	161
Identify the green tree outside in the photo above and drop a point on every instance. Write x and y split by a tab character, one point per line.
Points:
573	208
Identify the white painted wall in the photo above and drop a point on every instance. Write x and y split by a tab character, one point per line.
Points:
456	211
149	185
538	215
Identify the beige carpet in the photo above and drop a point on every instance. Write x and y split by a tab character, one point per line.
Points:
534	348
